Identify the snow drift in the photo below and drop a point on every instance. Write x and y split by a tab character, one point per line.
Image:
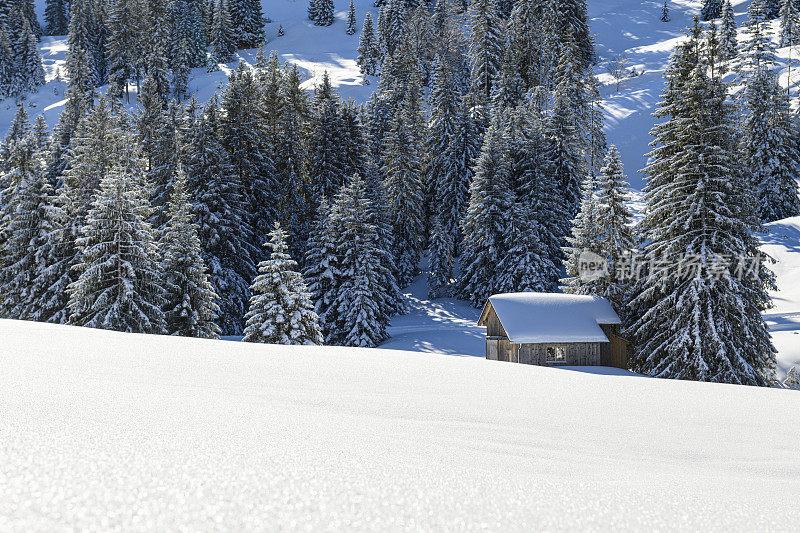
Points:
102	430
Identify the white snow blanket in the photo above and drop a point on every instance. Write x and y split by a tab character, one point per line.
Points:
103	430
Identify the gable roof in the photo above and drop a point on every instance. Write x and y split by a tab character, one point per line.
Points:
538	317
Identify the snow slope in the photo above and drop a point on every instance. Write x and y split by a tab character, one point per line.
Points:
102	430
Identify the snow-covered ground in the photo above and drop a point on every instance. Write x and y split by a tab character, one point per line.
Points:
102	430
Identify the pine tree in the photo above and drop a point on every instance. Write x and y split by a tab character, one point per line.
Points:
404	193
29	71
218	198
8	66
312	10
323	15
190	307
696	315
772	8
665	12
585	240
440	274
351	19
729	41
55	17
247	22
486	46
758	50
281	311
486	219
326	164
29	220
321	269
711	9
768	145
360	295
223	44
368	51
792	380
790	23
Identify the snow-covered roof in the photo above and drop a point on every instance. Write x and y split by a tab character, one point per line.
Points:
538	317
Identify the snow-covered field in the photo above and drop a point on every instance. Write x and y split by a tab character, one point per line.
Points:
102	430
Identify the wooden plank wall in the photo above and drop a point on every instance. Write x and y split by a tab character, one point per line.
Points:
577	354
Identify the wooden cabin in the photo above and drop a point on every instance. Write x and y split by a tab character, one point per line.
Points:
553	330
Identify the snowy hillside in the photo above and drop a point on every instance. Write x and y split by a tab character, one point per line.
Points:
108	430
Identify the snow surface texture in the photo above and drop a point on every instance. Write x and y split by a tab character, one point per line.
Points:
103	430
535	317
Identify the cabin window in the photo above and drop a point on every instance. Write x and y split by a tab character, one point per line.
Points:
556	354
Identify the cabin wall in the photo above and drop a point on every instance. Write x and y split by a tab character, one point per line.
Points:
493	326
614	353
577	354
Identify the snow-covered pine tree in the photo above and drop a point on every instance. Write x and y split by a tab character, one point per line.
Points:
772	8
769	148
486	221
792	380
243	136
190	307
440	273
486	46
321	271
526	265
8	66
351	19
564	132
281	311
711	9
404	191
595	120
585	239
29	74
29	220
758	50
247	22
729	43
55	17
323	13
572	22
17	133
665	12
790	23
222	40
218	198
327	158
368	50
122	35
360	296
696	314
118	285
614	221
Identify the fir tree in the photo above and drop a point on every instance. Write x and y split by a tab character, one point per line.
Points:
190	307
585	239
351	19
223	44
321	269
323	13
360	295
729	43
792	380
281	311
247	22
665	12
218	198
118	285
55	17
440	274
486	46
790	23
368	51
696	316
486	220
8	66
29	73
711	9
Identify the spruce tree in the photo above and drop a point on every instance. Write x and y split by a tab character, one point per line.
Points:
8	66
351	19
368	51
440	274
190	307
281	311
222	41
118	285
729	43
29	74
790	23
486	46
697	315
55	17
486	221
665	12
321	271
585	239
323	13
711	9
218	198
360	295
